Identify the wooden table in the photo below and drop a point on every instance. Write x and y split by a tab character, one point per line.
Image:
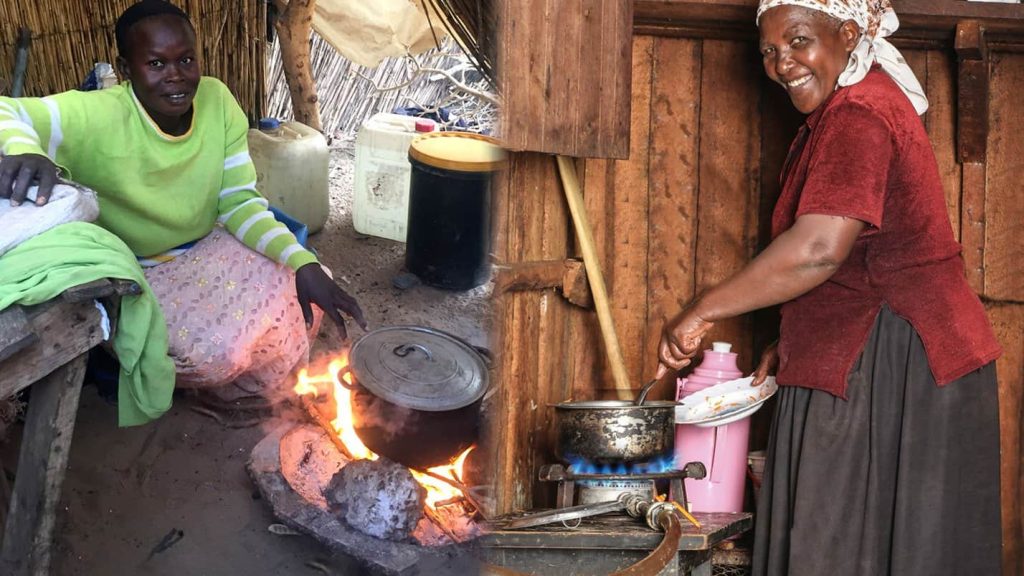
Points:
603	544
46	347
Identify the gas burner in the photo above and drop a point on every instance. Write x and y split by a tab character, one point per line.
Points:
602	487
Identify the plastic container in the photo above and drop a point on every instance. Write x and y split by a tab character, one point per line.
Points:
722	449
291	162
380	200
756	462
449	236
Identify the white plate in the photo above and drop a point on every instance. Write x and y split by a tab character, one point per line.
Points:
724	403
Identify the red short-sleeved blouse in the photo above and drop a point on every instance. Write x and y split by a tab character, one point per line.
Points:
864	154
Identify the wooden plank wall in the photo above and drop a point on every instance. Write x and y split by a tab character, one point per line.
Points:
531	220
682	213
690	206
1004	286
565	48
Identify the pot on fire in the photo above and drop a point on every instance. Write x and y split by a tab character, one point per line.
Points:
612	431
416	394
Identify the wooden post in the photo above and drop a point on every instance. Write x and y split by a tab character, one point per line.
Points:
28	532
294	27
972	145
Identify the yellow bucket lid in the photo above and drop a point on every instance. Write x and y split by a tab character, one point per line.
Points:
459	151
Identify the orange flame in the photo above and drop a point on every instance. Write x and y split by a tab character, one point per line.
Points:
437	490
343	398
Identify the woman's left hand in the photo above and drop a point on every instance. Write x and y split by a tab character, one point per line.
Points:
312	284
680	340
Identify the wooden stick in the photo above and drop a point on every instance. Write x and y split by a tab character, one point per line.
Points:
466	493
440	524
319	418
567	171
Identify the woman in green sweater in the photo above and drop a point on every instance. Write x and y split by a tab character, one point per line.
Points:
166	152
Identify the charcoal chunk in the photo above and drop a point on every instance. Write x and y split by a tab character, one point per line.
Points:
379	498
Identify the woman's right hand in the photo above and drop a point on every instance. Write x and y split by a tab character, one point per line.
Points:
769	363
680	339
18	172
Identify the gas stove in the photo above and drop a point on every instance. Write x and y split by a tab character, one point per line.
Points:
578	485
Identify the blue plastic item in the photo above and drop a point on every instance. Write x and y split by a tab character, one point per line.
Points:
269	124
294	226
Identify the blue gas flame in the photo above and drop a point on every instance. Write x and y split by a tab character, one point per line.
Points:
654	466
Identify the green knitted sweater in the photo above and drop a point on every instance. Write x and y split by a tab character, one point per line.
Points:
156	191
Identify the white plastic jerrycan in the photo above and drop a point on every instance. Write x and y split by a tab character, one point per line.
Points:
380	198
291	162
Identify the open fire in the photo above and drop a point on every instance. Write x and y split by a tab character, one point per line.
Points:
439	492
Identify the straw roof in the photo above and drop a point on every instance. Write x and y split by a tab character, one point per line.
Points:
69	36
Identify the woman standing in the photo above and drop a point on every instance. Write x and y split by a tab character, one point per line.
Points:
884	451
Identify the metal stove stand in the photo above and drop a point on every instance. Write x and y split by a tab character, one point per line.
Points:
567	480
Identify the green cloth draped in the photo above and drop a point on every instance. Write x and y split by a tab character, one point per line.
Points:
72	254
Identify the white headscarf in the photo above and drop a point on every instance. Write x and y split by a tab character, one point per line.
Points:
877	20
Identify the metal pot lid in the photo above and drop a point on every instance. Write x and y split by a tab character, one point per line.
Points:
419	368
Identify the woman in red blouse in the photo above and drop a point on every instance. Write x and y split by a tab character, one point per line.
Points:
884	452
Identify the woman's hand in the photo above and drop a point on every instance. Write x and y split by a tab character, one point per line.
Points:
769	363
312	284
19	171
680	340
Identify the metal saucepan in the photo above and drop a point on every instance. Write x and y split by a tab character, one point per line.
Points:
608	431
417	394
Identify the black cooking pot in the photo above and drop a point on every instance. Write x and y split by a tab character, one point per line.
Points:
417	394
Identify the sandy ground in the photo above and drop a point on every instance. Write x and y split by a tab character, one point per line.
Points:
126	489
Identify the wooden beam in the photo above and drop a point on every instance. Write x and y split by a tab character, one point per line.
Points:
568	276
15	332
973	86
65	330
49	425
101	288
934	14
972	144
923	23
294	26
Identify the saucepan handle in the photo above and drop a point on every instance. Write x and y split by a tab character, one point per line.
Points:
347	370
403	350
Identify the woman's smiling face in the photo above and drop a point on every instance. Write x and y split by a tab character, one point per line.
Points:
163	69
805	51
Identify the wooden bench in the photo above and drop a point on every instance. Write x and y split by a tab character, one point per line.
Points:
46	347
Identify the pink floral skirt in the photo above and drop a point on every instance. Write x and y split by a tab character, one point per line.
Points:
234	325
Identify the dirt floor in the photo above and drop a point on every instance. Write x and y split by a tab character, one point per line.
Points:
127	489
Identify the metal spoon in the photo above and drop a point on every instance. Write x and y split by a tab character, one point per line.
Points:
643	391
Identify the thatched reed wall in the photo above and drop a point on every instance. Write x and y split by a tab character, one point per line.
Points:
68	36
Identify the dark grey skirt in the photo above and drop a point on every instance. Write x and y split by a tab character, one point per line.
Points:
902	478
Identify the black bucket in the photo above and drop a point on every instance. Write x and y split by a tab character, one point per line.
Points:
449	230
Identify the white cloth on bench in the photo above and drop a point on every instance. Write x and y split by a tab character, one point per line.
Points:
67	204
